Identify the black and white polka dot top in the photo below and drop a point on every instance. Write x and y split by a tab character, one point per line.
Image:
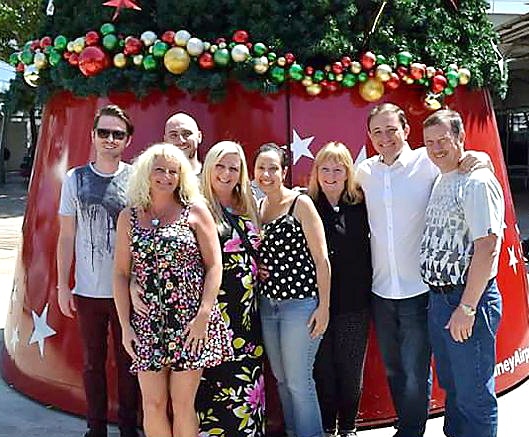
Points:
285	252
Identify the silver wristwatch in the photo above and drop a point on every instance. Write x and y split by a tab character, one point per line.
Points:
468	310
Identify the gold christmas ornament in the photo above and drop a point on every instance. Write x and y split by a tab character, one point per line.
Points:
40	60
383	72
240	53
69	46
176	60
430	72
260	65
195	46
307	81
314	89
464	75
432	103
137	60
372	89
356	67
182	37
78	44
120	61
31	75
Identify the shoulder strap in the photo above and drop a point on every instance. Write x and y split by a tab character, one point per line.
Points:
244	237
184	214
293	205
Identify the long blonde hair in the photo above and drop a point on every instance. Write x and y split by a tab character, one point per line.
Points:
242	191
139	188
338	153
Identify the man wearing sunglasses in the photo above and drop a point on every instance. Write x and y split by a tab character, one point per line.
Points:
92	197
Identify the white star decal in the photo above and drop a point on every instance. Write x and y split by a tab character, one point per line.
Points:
361	156
513	260
42	330
15	338
300	147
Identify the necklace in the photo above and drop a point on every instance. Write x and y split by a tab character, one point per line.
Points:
156	219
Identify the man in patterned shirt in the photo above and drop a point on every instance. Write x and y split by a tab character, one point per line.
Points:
459	262
92	197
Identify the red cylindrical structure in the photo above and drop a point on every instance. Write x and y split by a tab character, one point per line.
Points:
42	355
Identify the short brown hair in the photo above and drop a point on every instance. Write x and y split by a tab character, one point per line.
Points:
387	107
446	116
114	111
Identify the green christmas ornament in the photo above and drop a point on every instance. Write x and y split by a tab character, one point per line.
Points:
14	59
271	57
331	75
318	76
277	74
404	58
222	57
60	42
108	28
452	77
381	59
259	49
296	72
27	46
349	80
110	41
448	91
149	63
54	58
159	48
363	76
26	57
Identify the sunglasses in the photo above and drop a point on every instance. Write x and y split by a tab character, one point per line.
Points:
116	134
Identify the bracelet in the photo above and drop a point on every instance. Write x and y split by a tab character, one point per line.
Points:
468	310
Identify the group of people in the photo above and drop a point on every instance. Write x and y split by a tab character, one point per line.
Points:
197	279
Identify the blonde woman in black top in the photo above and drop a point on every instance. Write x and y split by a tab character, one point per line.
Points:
294	303
340	360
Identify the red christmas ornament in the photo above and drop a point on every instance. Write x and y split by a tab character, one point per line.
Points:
91	38
337	68
121	4
45	42
346	61
240	36
206	61
402	70
290	58
220	41
439	83
66	55
368	60
35	45
73	59
393	82
249	45
132	46
331	86
168	37
309	71
417	70
20	67
93	60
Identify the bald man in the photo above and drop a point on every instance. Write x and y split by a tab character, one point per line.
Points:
182	130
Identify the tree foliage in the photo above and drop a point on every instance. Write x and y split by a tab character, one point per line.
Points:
19	22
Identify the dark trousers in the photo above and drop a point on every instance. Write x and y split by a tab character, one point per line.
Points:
95	316
339	369
402	333
466	370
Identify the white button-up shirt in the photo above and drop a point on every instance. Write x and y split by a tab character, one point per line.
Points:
396	199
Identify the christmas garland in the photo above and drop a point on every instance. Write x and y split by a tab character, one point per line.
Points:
169	58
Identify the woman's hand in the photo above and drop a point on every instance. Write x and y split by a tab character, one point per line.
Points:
197	332
263	272
138	305
129	339
318	321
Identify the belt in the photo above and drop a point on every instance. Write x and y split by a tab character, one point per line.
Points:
442	289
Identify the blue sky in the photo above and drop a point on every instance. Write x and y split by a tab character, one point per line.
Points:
6	74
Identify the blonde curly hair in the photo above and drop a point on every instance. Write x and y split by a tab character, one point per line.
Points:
242	192
139	187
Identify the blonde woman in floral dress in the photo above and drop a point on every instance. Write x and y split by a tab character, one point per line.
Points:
231	396
168	239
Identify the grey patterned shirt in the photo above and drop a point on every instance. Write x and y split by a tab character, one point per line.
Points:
95	200
462	208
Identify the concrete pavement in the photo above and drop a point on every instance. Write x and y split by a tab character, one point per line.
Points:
23	417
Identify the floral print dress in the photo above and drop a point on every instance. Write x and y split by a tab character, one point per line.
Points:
169	269
230	399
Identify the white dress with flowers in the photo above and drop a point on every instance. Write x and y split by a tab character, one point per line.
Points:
231	396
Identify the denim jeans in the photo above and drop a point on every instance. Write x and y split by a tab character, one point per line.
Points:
402	332
466	370
291	353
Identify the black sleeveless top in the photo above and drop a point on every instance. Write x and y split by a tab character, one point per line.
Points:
285	252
